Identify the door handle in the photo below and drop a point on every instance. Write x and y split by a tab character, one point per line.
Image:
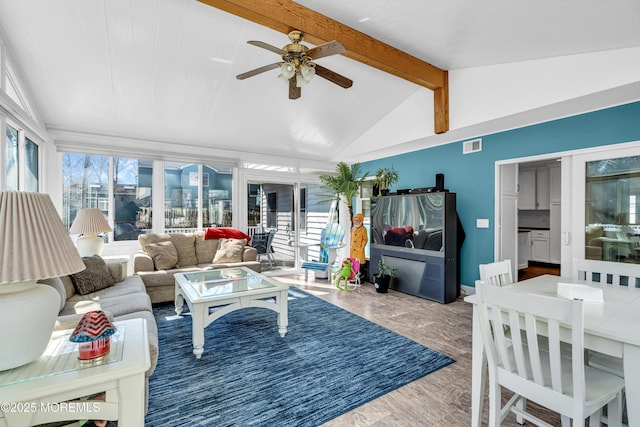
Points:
565	238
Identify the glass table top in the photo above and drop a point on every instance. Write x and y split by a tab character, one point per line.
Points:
60	357
227	281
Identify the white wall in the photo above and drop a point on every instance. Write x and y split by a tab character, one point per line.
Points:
490	99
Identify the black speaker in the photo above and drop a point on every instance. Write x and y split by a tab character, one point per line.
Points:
439	182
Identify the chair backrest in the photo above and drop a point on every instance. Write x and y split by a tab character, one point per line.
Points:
272	234
521	365
331	235
262	241
607	273
496	273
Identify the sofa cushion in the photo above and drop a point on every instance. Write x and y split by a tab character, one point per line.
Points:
205	249
56	283
118	305
230	250
130	285
164	255
145	239
225	233
94	277
185	245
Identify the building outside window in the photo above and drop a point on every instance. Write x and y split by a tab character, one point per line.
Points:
85	184
132	197
185	185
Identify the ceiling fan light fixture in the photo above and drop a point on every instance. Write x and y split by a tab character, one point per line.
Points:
287	70
308	71
300	80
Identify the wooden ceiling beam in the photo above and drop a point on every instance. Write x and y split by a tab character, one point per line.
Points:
286	15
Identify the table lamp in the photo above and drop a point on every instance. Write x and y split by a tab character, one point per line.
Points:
89	222
34	244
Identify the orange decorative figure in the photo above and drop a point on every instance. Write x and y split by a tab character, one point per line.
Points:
359	238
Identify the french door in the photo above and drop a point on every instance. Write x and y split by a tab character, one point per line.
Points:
606	185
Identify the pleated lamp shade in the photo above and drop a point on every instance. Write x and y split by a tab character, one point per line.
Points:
34	244
89	221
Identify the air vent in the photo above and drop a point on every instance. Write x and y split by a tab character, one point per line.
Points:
472	146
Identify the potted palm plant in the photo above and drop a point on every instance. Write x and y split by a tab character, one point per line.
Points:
385	177
345	184
383	279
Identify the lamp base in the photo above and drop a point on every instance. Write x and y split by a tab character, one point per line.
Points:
28	317
90	245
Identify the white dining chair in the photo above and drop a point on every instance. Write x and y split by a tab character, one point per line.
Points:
606	273
497	273
564	385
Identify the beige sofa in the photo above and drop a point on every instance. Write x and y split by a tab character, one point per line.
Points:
123	297
163	255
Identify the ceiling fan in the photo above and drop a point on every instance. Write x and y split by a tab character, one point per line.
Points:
298	67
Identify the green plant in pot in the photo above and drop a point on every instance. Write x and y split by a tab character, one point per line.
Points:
344	184
385	274
385	178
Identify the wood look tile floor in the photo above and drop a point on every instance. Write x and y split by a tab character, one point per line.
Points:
442	398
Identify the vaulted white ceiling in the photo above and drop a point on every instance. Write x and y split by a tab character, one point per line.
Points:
160	74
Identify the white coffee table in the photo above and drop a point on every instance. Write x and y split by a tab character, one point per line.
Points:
231	289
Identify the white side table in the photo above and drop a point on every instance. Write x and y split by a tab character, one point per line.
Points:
46	390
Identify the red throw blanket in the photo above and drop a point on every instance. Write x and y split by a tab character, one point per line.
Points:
225	233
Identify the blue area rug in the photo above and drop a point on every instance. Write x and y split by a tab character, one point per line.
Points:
330	362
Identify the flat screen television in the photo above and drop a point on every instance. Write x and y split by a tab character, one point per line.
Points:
409	220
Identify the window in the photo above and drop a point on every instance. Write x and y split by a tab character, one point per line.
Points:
132	197
85	184
272	210
303	209
216	196
181	196
90	180
31	165
611	190
12	159
22	165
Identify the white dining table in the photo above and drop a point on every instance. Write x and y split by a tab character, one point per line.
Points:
611	327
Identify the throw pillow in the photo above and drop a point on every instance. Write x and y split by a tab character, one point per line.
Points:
205	249
225	233
164	255
94	277
185	245
230	250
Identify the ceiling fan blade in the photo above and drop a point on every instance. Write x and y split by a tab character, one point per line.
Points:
258	71
267	46
333	77
327	49
294	90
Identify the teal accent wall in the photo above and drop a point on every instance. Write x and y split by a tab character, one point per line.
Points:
472	176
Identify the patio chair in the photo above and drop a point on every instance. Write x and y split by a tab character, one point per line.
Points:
262	243
331	239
